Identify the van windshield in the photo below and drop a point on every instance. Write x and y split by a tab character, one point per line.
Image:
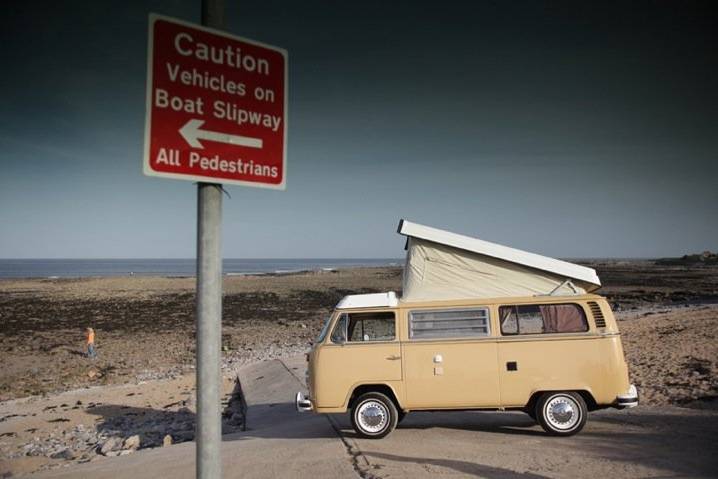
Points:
325	328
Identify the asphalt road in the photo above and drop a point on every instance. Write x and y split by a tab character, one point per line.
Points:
643	442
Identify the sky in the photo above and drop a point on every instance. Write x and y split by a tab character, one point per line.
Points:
567	129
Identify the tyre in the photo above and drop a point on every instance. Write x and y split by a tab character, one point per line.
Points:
374	415
561	413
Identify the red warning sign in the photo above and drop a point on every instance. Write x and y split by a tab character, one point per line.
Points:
216	106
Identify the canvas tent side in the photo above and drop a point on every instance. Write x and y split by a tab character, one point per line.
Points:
444	265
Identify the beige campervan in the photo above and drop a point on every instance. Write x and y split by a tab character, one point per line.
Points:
478	326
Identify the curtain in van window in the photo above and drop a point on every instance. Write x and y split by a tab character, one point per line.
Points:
563	318
508	324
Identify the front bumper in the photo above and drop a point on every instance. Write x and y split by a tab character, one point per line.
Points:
629	399
304	404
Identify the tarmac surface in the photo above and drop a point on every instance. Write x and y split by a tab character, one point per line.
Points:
642	442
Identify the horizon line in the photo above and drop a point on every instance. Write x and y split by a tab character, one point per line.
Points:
309	258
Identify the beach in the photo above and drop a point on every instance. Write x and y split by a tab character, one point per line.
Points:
145	342
145	325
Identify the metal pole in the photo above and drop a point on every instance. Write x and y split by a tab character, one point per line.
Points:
209	306
209	330
213	13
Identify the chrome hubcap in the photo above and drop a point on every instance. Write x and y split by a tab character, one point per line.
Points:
372	416
562	413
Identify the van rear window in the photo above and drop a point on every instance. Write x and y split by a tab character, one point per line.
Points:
542	318
450	323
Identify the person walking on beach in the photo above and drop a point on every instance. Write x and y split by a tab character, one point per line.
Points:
90	335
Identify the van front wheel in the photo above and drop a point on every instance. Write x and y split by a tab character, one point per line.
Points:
561	413
374	415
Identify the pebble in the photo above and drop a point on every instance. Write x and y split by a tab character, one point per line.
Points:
63	454
110	445
132	442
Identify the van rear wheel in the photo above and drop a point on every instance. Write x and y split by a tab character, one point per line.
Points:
374	415
561	413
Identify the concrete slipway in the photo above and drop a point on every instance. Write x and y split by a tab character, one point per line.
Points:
644	442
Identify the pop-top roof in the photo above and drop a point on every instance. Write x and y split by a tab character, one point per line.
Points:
375	300
475	245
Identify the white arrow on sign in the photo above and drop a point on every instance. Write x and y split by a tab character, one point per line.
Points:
192	134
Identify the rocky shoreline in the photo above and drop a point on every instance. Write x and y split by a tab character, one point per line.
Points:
52	431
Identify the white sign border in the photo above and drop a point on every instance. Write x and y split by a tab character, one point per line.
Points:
147	169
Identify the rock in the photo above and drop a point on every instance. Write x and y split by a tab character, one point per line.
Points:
132	442
182	436
167	441
191	401
35	450
110	445
64	454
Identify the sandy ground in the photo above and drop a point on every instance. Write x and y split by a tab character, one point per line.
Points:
145	335
672	355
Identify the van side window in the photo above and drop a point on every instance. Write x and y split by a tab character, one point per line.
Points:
457	323
542	318
371	327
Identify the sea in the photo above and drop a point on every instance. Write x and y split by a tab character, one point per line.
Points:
83	268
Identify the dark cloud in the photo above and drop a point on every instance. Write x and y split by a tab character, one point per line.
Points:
569	128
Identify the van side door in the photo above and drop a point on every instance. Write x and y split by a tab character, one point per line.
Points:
450	359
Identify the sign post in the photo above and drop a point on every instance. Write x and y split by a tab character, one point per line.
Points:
216	113
208	430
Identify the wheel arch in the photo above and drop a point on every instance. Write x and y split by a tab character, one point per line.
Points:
584	393
377	388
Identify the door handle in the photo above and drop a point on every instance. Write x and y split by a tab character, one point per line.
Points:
393	358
